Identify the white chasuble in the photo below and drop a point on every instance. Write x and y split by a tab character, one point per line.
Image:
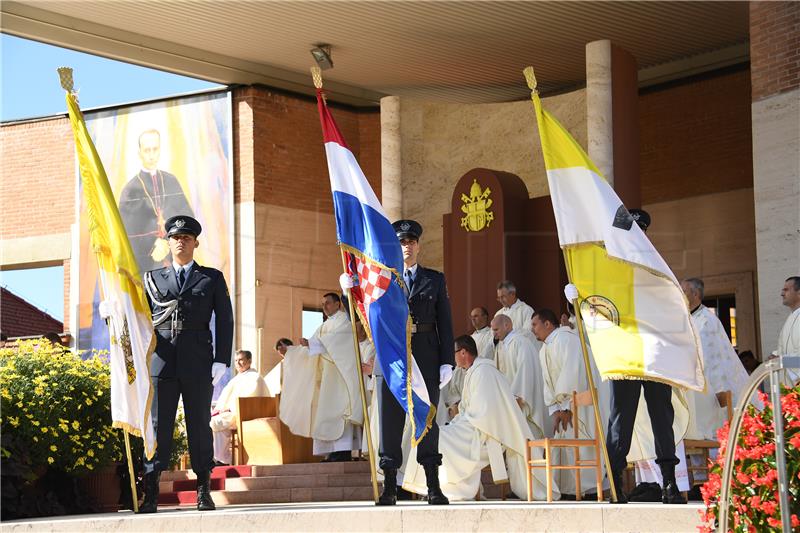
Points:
518	359
489	424
789	344
321	397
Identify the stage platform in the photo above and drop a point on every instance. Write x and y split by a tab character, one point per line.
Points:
405	517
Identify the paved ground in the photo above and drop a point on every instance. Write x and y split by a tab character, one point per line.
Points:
405	517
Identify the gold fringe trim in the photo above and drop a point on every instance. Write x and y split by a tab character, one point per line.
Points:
409	356
695	335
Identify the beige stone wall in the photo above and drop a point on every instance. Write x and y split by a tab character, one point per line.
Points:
438	143
776	172
287	261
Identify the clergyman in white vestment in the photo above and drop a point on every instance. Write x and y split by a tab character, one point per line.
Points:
789	337
518	311
489	429
721	366
518	359
564	372
320	397
224	417
484	339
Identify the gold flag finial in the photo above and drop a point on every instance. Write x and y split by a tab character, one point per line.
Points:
316	75
65	75
530	77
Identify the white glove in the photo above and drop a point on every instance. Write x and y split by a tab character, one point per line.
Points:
346	282
217	371
571	292
445	375
107	308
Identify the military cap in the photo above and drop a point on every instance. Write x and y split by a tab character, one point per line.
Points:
182	224
641	217
408	229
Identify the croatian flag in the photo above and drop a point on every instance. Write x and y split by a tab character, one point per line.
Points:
374	261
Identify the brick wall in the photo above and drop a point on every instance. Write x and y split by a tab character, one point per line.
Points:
37	165
289	166
696	137
774	47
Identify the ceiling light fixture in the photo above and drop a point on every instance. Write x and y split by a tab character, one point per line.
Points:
322	55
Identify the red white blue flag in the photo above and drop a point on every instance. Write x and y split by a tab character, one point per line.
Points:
374	260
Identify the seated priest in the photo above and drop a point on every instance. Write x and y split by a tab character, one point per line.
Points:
320	397
489	429
247	383
564	372
517	359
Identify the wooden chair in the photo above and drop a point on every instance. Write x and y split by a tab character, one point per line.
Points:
578	400
703	447
263	439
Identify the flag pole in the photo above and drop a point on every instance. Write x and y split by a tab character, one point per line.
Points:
316	74
590	377
370	449
530	78
130	472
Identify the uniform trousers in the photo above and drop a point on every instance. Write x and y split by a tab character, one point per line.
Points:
197	410
393	418
624	403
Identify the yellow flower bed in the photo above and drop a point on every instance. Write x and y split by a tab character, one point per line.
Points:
56	408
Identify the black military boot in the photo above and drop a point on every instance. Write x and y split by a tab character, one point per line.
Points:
435	495
621	498
150	503
204	501
670	494
389	496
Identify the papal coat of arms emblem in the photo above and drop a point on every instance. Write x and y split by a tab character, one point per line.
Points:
476	208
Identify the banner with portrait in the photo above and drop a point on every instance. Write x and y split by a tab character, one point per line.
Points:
163	158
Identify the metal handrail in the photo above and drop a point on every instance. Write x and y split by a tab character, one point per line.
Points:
769	368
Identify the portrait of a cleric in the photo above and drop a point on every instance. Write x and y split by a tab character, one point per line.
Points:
188	361
148	199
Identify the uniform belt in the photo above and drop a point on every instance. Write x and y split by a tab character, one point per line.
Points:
183	325
421	328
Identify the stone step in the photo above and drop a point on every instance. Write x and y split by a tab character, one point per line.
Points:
218	472
352	467
300	481
293	495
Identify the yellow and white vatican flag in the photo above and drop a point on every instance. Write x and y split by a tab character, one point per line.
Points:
124	305
635	312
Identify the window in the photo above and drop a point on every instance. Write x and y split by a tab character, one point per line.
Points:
311	320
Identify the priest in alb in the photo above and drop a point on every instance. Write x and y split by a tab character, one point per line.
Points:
484	340
518	360
320	397
224	416
789	337
564	372
489	430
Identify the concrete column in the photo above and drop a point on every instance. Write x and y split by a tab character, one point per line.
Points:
612	117
774	62
391	158
245	298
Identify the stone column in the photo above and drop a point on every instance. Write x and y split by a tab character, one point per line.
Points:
612	117
775	79
391	158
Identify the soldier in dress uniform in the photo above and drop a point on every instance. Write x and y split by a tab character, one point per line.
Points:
432	347
187	361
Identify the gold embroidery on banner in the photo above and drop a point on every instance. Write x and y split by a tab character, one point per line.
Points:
476	208
125	346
